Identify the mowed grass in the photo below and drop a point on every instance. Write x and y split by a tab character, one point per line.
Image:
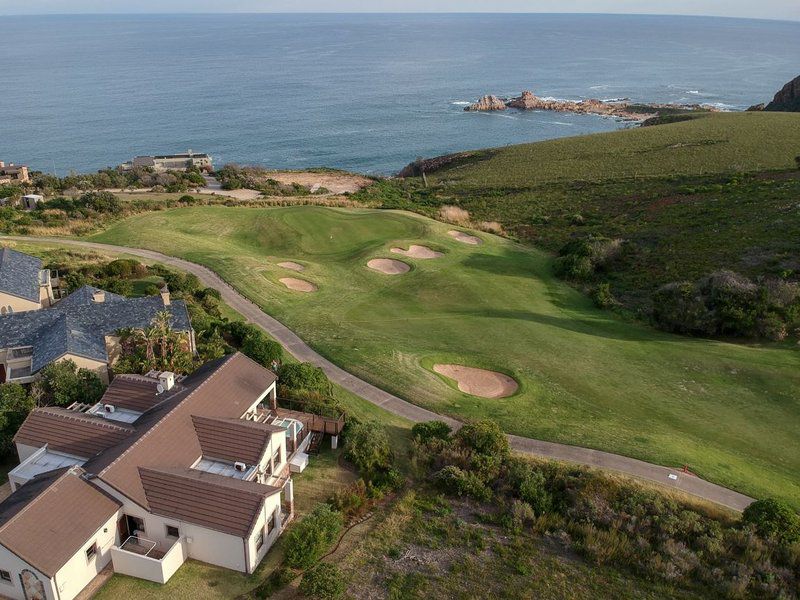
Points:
730	412
717	143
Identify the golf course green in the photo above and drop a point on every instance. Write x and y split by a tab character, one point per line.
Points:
730	412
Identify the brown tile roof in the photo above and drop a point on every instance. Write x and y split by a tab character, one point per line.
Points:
133	392
233	439
53	516
214	501
71	432
165	437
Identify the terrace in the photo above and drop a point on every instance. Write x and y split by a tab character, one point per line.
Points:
146	559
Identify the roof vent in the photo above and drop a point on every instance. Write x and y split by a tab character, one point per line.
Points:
166	380
240	466
109	408
98	296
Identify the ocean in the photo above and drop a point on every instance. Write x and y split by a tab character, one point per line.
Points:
368	93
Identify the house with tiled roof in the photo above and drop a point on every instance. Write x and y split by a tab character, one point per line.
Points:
82	327
160	470
24	284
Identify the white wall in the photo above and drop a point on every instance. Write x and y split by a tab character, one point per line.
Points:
152	569
13	564
78	571
24	451
256	555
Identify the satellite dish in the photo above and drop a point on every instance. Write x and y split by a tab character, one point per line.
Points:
160	388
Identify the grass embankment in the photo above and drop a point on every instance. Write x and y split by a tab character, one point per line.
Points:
587	378
674	193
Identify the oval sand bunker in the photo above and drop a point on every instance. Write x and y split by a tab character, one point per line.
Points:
465	238
298	285
479	382
415	251
292	266
388	266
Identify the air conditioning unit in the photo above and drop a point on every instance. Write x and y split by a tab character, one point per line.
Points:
109	408
240	466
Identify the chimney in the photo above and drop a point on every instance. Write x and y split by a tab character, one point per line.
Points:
165	295
2	164
98	296
167	380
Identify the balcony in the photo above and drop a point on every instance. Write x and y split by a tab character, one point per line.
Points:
146	559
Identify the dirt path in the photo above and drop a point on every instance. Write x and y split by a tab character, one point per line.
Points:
672	478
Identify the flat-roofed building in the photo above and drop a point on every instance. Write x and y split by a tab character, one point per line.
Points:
174	162
11	173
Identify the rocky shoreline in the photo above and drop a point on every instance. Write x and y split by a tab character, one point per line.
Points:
620	109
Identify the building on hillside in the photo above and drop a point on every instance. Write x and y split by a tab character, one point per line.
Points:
36	330
24	284
160	470
13	174
173	162
30	201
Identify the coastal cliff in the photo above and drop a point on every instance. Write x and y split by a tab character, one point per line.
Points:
620	109
787	99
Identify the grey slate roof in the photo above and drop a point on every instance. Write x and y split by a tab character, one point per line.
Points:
78	325
19	274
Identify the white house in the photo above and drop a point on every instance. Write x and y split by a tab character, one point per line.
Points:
160	470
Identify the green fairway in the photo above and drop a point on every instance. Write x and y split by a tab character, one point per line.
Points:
586	378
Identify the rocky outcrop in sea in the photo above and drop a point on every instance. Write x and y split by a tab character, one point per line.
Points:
621	109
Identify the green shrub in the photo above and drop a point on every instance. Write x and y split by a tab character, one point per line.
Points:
457	482
261	349
602	296
483	437
277	580
305	376
366	445
429	430
773	518
62	383
324	581
311	537
15	404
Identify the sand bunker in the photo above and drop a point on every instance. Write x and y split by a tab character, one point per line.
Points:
292	266
418	252
465	238
298	285
479	382
389	266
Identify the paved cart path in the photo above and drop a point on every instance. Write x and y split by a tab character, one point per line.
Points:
672	478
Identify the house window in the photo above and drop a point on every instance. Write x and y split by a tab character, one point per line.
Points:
91	551
5	576
173	531
260	540
271	521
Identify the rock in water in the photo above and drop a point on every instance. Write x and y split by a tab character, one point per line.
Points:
526	101
788	99
487	103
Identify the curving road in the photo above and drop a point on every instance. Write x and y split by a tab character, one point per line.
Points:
665	476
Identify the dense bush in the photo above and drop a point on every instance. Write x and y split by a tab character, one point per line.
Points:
458	482
580	259
725	303
311	537
324	581
305	376
62	383
429	430
367	447
611	521
266	352
15	404
277	580
773	518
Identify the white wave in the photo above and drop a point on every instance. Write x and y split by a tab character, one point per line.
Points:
561	123
461	103
616	99
694	92
599	87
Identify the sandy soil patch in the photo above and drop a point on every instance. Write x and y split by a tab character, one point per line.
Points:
465	238
292	266
337	183
241	194
415	251
479	382
389	266
298	285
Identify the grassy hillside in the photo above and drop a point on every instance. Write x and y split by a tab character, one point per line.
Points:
722	142
730	412
718	192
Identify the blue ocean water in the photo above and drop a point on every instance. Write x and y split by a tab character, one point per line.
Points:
362	92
